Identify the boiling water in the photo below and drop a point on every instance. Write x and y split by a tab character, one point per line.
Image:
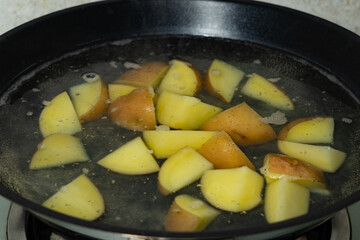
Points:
134	201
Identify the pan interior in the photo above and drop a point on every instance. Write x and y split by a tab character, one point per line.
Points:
134	202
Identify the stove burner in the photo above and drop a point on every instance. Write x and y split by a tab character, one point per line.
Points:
23	225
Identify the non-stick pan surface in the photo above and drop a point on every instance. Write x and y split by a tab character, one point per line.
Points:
316	61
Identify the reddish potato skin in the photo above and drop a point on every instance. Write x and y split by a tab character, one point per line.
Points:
243	124
199	80
134	111
100	107
221	151
180	220
163	190
148	74
209	87
282	164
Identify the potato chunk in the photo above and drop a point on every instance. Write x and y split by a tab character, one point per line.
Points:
118	90
188	214
285	200
325	158
58	149
166	143
132	158
149	74
222	79
80	198
309	130
181	169
181	78
278	166
59	116
134	111
221	151
243	124
90	99
233	189
260	88
183	112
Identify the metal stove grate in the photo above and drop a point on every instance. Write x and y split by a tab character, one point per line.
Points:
24	226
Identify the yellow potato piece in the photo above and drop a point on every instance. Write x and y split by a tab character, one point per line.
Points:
183	112
132	158
80	198
222	79
325	158
166	143
90	99
181	78
189	214
181	169
285	200
260	88
59	116
58	149
309	130
234	189
118	90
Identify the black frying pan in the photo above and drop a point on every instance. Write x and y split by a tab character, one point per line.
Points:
316	60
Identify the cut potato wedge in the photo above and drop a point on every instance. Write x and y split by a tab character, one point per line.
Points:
243	124
189	214
166	143
134	111
183	112
149	74
80	198
234	190
285	200
324	157
58	149
309	130
59	116
181	78
118	90
181	169
90	99
132	158
222	79
221	151
260	88
278	166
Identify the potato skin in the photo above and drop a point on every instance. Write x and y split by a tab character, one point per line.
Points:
221	151
99	108
149	74
189	214
292	167
180	220
134	111
243	124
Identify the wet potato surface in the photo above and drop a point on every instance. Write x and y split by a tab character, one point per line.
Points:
134	201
